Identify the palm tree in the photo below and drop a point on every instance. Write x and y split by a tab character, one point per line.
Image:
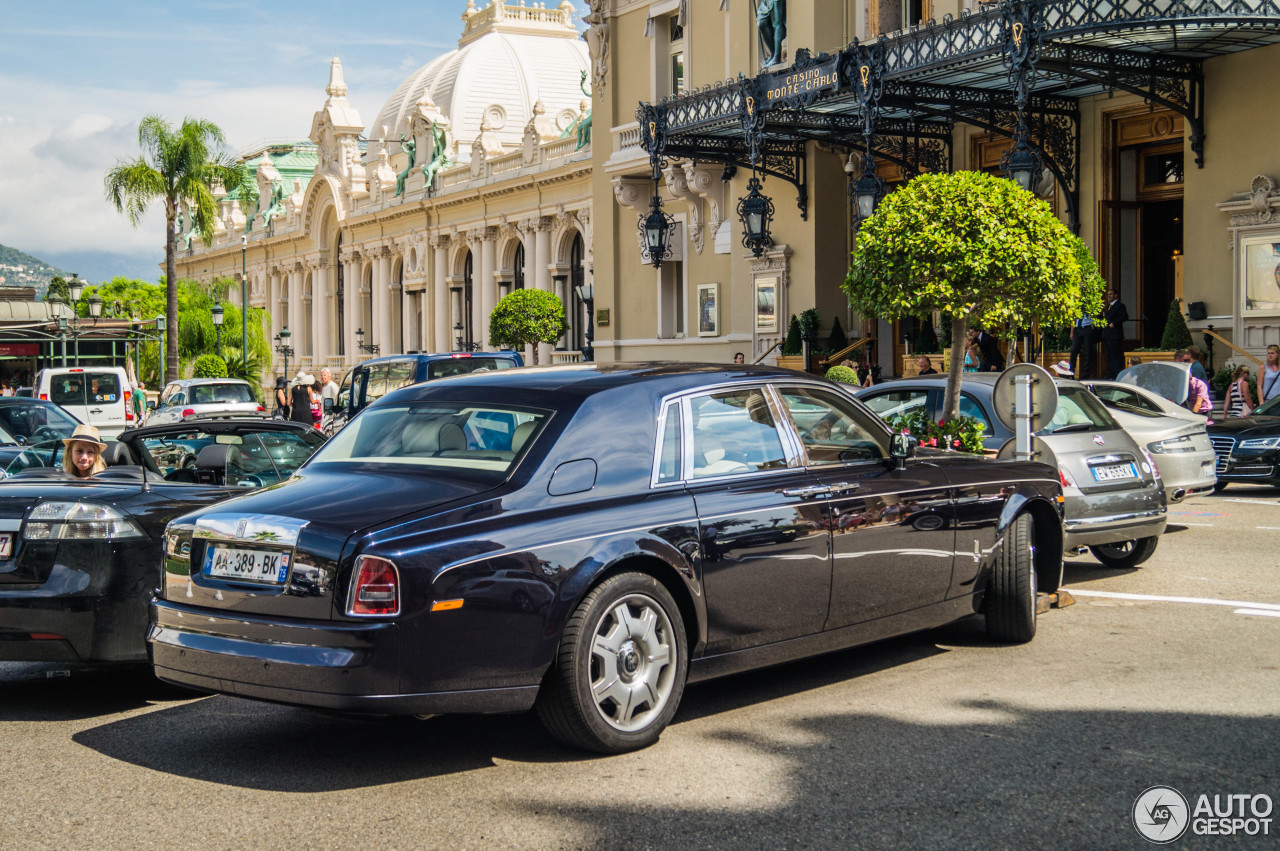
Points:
177	167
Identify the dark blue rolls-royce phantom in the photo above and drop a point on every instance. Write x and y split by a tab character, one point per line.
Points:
585	540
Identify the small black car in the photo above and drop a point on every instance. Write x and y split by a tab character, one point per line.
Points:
1248	448
79	559
588	539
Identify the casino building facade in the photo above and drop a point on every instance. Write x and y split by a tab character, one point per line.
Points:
1145	124
474	179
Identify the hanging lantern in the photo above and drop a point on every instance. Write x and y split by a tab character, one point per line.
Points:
868	189
1022	163
756	212
656	230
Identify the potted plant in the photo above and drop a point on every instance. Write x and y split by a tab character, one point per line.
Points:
792	356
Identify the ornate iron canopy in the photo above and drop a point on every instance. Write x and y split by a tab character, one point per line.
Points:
936	75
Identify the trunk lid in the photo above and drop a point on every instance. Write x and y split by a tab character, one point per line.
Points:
305	526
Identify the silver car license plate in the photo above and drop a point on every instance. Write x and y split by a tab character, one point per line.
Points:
1113	472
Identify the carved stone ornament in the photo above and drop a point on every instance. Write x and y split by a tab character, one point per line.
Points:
1260	205
633	192
678	184
596	36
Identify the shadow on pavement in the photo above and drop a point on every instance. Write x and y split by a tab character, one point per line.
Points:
59	692
263	746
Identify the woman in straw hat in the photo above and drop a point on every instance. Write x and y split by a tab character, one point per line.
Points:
83	456
300	398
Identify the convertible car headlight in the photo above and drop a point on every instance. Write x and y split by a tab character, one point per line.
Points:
1173	444
78	521
1261	443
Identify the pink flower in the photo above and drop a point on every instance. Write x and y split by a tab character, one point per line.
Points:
955	443
933	441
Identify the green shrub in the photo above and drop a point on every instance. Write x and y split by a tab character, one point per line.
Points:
810	322
837	340
1176	334
210	366
527	317
927	338
1055	339
842	374
793	344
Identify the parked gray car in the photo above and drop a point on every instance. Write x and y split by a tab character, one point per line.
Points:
1176	437
1115	500
188	397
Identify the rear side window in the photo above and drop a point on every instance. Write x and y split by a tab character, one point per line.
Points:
734	432
897	402
376	386
82	388
461	366
400	374
970	408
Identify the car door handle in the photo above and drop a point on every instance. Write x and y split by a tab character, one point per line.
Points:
812	490
845	487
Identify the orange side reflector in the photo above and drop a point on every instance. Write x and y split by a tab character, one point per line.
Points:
445	605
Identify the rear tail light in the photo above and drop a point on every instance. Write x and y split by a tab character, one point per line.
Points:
128	408
188	412
1155	468
44	397
261	409
375	588
1065	478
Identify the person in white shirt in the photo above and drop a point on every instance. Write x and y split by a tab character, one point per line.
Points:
328	388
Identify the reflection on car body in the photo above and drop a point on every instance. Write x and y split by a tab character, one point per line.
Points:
634	527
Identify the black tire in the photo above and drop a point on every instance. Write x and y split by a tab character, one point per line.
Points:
1011	593
1219	487
1126	553
595	719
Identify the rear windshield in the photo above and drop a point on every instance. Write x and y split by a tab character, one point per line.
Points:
1078	410
461	366
477	438
211	394
1125	399
82	388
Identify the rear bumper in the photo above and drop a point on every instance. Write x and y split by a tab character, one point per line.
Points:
1190	472
337	666
1111	529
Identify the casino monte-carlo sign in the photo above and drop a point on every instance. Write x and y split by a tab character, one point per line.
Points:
800	86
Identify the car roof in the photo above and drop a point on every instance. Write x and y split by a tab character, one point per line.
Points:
971	379
187	382
586	379
430	356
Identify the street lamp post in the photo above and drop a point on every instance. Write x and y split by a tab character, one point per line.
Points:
216	313
161	324
283	347
75	287
244	299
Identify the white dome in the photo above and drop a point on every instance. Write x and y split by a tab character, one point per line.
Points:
504	64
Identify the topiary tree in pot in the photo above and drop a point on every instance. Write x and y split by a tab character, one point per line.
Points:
527	318
794	342
1176	333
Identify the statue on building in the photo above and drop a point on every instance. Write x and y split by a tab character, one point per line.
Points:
439	155
771	25
582	125
597	38
276	208
411	148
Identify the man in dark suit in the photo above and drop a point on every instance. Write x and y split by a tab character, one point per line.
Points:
1114	316
1082	346
992	360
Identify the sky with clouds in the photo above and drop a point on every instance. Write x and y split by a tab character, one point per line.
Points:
76	77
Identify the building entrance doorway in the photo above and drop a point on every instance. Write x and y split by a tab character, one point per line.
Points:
1140	221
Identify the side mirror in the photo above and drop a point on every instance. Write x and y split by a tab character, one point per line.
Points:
328	406
902	447
151	404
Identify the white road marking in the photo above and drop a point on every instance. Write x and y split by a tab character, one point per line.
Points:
1252	501
1176	522
1261	612
1272	528
1203	601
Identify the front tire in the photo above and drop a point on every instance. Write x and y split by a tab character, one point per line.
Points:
620	670
1125	553
1219	487
1011	593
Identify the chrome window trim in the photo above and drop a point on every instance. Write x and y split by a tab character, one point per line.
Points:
664	410
781	386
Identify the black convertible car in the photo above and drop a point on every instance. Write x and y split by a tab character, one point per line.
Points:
588	539
79	559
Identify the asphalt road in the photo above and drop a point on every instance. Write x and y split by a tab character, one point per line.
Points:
940	740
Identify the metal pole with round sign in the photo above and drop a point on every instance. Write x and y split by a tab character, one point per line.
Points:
1024	399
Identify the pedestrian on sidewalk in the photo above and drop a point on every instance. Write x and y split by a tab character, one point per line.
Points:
328	387
1269	379
282	398
1239	399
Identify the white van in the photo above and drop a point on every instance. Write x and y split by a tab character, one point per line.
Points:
96	395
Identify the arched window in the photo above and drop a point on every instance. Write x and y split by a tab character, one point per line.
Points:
517	279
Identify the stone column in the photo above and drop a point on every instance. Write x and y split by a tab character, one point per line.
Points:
320	297
488	283
295	316
443	341
542	273
274	320
382	303
351	306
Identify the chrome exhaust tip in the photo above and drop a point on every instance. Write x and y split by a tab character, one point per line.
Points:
1179	494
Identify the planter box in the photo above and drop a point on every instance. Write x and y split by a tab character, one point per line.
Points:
909	369
795	362
1148	357
1048	359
